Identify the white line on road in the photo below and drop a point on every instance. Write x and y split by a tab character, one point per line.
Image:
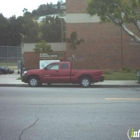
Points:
131	99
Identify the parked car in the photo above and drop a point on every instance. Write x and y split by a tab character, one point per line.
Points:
61	72
4	70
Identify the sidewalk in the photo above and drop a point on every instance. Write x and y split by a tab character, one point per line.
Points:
11	80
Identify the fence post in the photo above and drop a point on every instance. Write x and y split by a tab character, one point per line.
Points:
7	57
21	66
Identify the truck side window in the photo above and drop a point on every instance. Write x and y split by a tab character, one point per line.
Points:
53	67
64	66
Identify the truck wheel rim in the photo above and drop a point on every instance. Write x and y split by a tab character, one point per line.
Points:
85	82
33	82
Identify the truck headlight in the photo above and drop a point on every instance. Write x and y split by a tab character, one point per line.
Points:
24	73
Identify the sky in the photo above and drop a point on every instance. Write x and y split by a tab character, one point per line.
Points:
14	7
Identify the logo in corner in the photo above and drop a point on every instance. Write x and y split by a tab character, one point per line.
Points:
131	133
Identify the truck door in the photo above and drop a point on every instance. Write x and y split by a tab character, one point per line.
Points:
52	73
65	72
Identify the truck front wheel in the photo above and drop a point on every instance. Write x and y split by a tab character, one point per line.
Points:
85	82
34	81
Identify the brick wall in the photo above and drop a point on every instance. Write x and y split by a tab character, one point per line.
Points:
104	47
31	60
76	6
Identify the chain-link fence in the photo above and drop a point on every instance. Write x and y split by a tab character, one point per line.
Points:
10	56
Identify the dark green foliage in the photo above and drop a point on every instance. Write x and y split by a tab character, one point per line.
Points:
44	9
119	12
31	30
3	30
14	31
47	9
52	29
73	42
113	9
125	69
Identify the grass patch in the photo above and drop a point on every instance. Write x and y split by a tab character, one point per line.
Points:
9	65
120	76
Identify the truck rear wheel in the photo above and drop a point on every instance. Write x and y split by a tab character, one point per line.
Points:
85	82
34	81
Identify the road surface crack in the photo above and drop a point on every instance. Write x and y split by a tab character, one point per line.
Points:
23	131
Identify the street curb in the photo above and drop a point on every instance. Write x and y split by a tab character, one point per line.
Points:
92	86
13	85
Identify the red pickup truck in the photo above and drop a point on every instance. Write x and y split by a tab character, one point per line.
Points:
61	72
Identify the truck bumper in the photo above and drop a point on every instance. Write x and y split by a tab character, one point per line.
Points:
102	79
24	79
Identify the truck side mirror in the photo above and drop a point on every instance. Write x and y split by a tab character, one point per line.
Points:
45	68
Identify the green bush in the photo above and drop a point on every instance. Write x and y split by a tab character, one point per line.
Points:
107	71
137	70
120	76
125	70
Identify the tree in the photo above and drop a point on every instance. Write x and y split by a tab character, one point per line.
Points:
52	29
59	3
10	30
3	30
44	9
25	10
73	42
120	12
14	29
31	29
42	47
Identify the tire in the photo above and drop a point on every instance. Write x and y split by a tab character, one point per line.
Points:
85	82
34	81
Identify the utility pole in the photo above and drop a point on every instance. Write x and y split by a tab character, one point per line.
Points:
121	49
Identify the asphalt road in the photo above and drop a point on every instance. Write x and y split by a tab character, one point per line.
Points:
64	113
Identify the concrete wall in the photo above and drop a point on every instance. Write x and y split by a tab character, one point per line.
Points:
28	47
